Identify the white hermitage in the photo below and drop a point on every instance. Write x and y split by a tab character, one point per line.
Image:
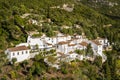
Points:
21	53
62	43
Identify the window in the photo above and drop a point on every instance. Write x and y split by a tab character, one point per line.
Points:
13	54
22	52
18	53
26	52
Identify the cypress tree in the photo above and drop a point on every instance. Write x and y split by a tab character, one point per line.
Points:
107	71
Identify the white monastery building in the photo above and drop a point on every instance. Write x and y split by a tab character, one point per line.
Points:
64	44
21	53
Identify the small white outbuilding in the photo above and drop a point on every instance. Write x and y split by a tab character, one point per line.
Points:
21	53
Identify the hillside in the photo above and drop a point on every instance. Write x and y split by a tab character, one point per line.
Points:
109	7
94	18
13	28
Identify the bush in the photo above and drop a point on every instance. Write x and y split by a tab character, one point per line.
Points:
64	71
14	60
13	74
4	77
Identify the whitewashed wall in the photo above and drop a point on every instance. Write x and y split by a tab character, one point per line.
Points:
20	57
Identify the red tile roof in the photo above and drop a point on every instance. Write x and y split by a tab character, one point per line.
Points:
84	43
96	42
62	42
71	45
48	44
19	48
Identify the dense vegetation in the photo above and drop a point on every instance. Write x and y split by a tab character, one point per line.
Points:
13	28
37	69
109	7
92	21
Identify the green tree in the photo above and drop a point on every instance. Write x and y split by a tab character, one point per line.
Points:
25	63
92	72
64	70
111	59
14	60
37	69
52	51
39	57
98	61
79	51
107	71
13	74
70	31
52	59
4	77
89	51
